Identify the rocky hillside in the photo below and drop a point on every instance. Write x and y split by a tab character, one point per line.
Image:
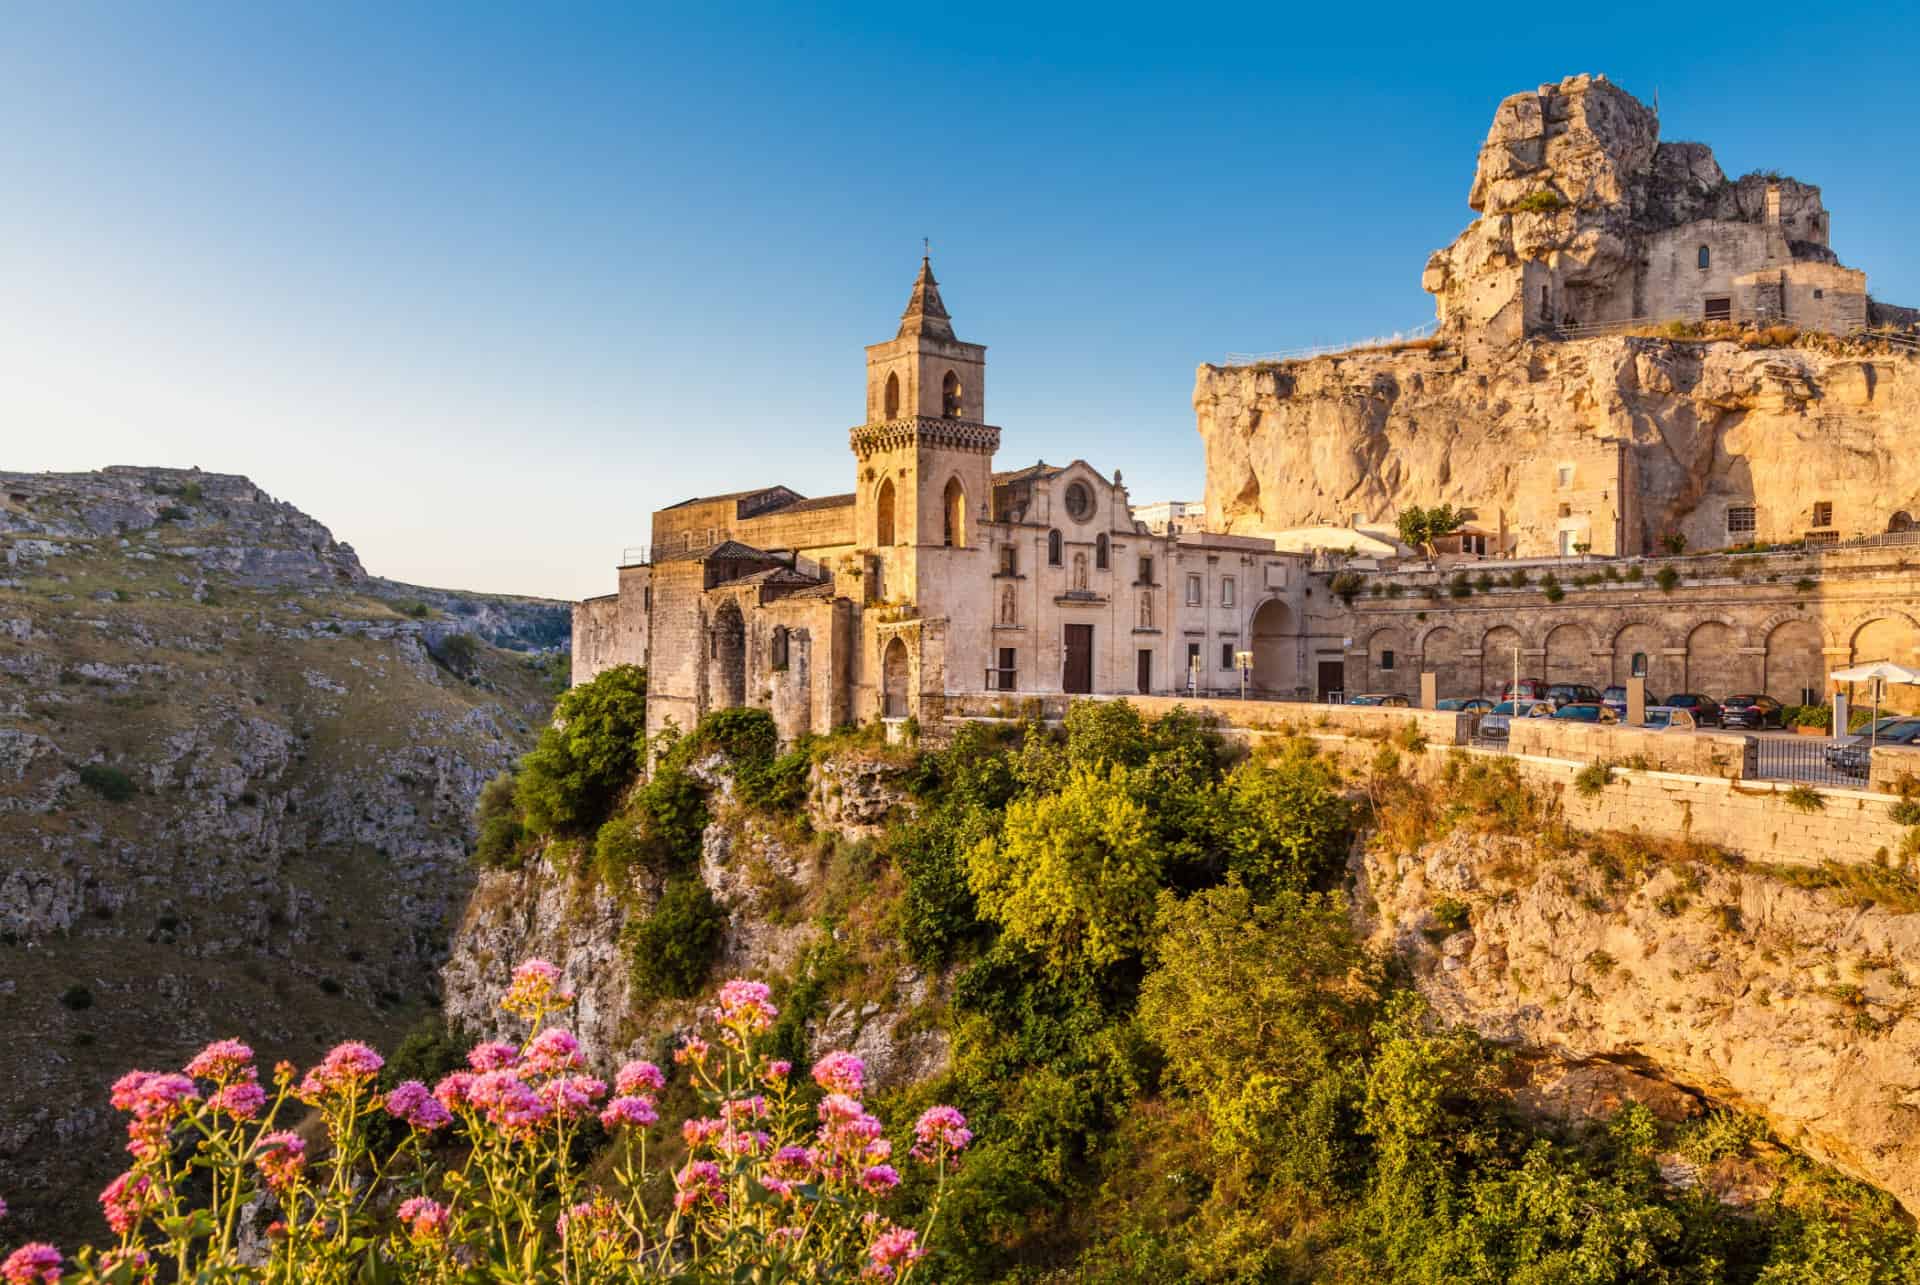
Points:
237	778
1374	432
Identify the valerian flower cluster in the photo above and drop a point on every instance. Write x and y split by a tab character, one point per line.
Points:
482	1177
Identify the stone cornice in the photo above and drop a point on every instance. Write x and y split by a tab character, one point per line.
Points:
922	430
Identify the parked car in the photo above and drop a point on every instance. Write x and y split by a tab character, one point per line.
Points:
1665	718
1705	710
1532	689
1494	723
1466	704
1854	755
1394	699
1585	712
1615	699
1756	711
1573	694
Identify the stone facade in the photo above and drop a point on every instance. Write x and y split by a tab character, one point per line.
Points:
938	576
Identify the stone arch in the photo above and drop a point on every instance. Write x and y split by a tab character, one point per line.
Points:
1637	620
953	514
1275	643
883	513
894	679
1639	651
1885	634
1569	657
1901	520
727	653
1714	663
1762	631
1389	660
952	401
1439	648
1054	547
892	396
1102	552
1497	646
777	648
1795	666
1850	632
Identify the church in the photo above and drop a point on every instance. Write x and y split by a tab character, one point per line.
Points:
937	575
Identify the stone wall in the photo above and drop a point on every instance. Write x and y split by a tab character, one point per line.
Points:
1724	756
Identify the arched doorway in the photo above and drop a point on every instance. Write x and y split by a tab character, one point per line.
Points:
1796	668
893	680
1714	663
727	653
1387	660
953	509
1275	671
883	514
1496	660
1637	653
1440	656
1567	656
1891	638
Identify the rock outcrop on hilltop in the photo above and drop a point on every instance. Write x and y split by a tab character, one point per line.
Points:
236	795
1678	982
1705	424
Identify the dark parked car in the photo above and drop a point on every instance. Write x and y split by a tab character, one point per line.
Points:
1755	711
1466	705
1585	712
1705	710
1380	698
1615	699
1573	694
1854	756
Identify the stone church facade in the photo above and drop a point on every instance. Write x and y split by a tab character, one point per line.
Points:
939	575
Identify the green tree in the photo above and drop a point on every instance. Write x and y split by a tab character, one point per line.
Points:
1287	823
672	949
1073	874
587	754
1420	527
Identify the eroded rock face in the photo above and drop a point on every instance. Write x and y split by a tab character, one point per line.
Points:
1705	425
1690	980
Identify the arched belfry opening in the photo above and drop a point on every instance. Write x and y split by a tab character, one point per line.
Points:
883	514
893	678
728	651
951	401
953	510
892	397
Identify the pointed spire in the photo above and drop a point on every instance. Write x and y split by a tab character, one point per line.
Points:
925	314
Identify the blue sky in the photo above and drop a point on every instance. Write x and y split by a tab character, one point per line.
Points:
481	285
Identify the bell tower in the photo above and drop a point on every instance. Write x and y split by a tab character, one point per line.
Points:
924	473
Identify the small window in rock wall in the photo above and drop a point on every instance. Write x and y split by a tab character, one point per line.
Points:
1741	520
1823	513
1195	597
1706	258
1226	591
1818	293
1563	477
1719	308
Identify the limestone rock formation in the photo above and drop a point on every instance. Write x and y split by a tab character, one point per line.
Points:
1706	424
236	798
1674	980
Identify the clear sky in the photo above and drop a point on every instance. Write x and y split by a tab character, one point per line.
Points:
481	284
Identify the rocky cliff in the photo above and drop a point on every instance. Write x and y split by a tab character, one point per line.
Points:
1706	423
236	790
1629	970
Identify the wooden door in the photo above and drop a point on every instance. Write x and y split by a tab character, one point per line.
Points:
1333	677
1078	671
1143	681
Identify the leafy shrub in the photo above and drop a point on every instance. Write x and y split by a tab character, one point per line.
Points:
672	949
1287	824
76	997
587	754
500	830
1518	578
1550	587
1346	586
460	653
110	783
1483	582
1635	573
413	607
1820	716
1905	812
1451	914
1592	779
1804	585
1804	798
1543	200
1667	578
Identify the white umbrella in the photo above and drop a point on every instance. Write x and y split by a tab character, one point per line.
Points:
1877	672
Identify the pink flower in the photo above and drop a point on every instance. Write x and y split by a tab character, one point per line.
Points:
786	1235
838	1107
508	1101
412	1102
635	1076
3	1209
594	1217
778	1186
750	1143
692	1049
841	1072
552	1051
34	1264
794	1163
494	1055
242	1099
222	1060
536	990
425	1219
745	1007
697	1182
776	1073
940	1129
127	1199
346	1069
572	1097
282	1157
453	1089
632	1112
892	1249
696	1130
879	1179
138	1259
737	1110
151	1094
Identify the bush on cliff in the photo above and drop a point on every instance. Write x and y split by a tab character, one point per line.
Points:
587	754
672	949
500	831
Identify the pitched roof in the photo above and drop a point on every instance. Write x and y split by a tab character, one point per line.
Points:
726	550
715	499
819	502
1031	471
776	576
925	314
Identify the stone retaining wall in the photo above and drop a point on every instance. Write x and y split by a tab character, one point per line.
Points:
1726	756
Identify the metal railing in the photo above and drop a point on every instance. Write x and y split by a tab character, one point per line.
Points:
636	555
1813	760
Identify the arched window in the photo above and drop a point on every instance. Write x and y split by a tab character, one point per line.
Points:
883	514
1706	258
893	397
1053	548
953	510
950	400
1100	552
777	649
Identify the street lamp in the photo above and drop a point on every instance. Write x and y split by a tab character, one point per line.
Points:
1243	661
